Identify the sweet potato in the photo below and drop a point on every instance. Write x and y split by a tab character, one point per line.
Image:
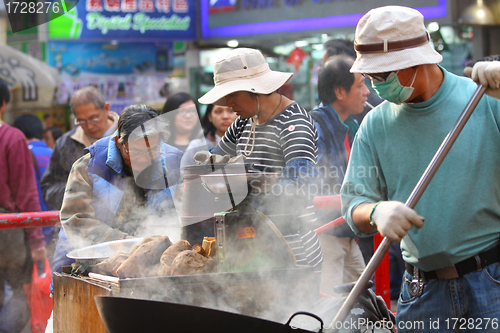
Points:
141	261
169	255
191	262
199	249
144	241
110	265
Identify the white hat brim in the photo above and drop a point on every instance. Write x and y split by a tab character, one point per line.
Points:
263	84
383	62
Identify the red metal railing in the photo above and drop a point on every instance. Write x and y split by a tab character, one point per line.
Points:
29	220
382	278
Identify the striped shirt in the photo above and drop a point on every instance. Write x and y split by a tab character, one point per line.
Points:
291	134
306	249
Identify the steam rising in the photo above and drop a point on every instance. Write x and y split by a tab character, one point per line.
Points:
268	294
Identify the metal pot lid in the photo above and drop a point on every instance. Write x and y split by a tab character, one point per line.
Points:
103	250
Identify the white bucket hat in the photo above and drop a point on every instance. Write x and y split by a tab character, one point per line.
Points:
243	69
391	38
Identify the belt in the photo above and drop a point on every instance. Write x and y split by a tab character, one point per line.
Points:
475	263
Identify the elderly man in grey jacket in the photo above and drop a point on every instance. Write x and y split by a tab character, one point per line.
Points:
94	121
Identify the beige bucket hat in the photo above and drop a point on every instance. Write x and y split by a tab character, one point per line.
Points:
391	38
243	69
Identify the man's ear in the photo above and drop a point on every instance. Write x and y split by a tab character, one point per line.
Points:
118	144
106	107
340	93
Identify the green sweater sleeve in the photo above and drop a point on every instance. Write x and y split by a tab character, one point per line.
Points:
363	181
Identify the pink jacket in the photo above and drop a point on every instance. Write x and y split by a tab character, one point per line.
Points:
18	192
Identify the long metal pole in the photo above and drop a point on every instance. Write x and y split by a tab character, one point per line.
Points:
411	202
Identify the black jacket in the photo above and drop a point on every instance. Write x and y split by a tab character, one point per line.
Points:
53	183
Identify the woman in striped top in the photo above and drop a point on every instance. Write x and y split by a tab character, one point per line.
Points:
275	135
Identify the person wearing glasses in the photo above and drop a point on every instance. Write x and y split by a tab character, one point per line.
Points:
122	188
452	259
93	121
215	122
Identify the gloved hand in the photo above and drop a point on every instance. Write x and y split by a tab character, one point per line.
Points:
393	219
486	73
203	157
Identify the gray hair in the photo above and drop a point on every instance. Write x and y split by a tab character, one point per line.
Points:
87	95
135	116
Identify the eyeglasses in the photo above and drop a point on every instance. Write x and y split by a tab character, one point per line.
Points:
92	121
377	77
137	154
186	112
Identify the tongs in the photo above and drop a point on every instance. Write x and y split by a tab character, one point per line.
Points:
415	195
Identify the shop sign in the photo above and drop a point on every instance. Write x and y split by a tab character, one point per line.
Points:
127	19
80	59
227	18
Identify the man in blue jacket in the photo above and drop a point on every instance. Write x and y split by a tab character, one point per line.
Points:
342	95
121	186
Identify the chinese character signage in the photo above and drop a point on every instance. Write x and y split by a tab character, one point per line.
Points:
127	19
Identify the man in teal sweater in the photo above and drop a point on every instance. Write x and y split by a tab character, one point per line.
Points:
452	270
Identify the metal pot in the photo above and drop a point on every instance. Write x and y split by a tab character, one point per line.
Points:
200	203
125	315
217	182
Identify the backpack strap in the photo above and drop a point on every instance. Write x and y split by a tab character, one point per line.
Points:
326	132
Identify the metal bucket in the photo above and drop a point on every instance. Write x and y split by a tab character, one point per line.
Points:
200	205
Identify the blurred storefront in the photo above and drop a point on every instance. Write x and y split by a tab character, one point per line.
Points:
129	49
291	33
142	50
25	71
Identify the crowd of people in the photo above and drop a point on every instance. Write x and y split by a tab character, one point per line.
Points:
111	173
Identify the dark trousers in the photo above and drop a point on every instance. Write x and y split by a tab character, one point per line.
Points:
397	268
15	313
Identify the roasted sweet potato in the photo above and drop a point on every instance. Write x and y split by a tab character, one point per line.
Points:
110	265
164	270
190	262
144	241
169	255
141	262
198	249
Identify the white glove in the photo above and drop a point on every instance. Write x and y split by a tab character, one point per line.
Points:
203	157
486	73
393	219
